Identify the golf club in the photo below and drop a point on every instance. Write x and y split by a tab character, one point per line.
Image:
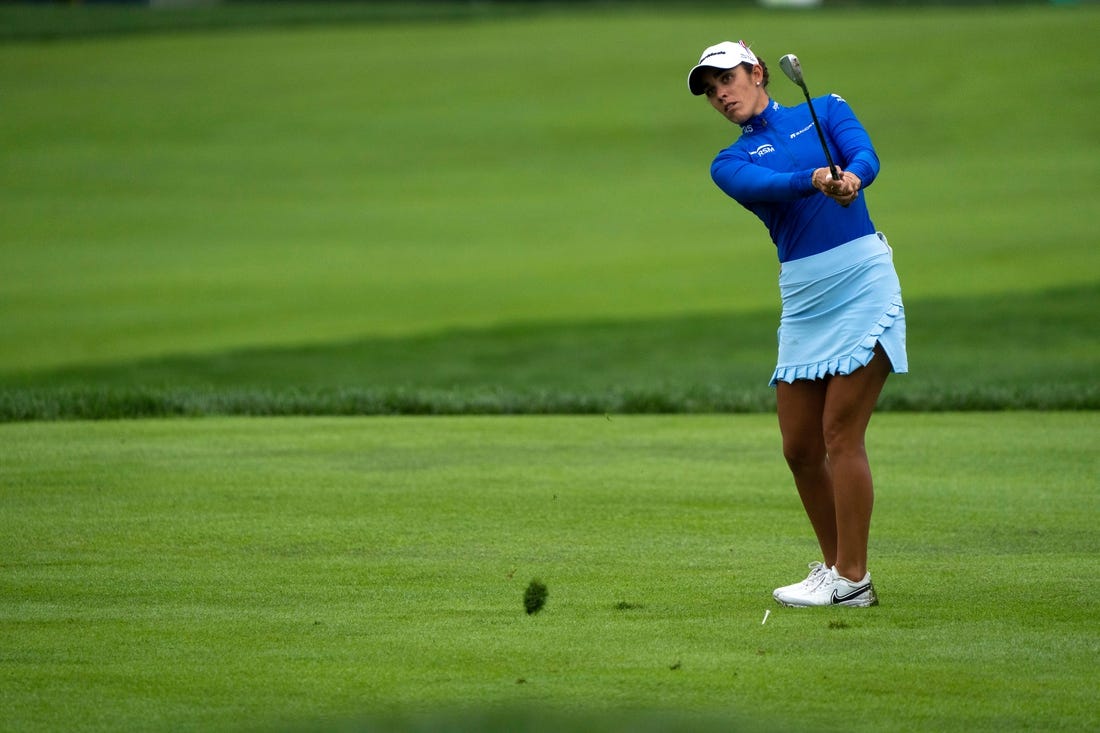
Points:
793	69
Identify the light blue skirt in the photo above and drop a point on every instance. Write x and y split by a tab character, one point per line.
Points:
836	306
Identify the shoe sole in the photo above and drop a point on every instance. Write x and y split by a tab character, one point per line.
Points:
861	603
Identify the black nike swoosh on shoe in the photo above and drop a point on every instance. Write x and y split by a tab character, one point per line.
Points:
853	594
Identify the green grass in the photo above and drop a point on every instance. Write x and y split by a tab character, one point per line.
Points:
63	21
275	213
705	363
259	574
290	219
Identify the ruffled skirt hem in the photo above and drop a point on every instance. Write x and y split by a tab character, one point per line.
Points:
859	357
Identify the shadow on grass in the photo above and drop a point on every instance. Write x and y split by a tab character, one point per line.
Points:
538	719
1033	351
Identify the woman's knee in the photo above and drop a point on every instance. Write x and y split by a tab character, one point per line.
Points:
804	453
845	437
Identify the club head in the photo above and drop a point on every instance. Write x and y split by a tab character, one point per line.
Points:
792	68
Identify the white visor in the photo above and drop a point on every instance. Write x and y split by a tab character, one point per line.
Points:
724	55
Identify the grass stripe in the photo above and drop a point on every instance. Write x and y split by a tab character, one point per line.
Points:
243	574
1038	351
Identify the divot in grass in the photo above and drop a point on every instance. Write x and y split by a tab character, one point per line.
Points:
534	598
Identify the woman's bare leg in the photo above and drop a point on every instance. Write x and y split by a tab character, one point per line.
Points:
823	423
801	406
849	402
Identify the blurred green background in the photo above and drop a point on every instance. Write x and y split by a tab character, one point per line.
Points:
485	207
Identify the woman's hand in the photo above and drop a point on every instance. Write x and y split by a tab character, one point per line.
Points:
844	191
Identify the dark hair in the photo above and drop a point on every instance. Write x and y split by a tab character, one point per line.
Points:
763	66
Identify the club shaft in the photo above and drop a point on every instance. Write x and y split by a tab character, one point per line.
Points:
820	134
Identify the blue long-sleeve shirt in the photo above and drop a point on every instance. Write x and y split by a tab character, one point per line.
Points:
768	170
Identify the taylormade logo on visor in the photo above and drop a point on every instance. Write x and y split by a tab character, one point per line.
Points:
737	53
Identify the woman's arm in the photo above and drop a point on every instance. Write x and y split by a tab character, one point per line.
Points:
747	183
851	140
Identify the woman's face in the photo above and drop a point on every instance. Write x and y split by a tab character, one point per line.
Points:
736	93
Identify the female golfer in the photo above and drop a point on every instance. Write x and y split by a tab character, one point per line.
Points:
842	329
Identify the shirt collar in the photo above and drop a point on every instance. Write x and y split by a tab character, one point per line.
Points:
763	119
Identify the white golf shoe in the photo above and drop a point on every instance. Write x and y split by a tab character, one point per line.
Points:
817	569
828	588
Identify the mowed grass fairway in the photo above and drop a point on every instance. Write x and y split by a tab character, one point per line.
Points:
305	212
514	214
250	574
